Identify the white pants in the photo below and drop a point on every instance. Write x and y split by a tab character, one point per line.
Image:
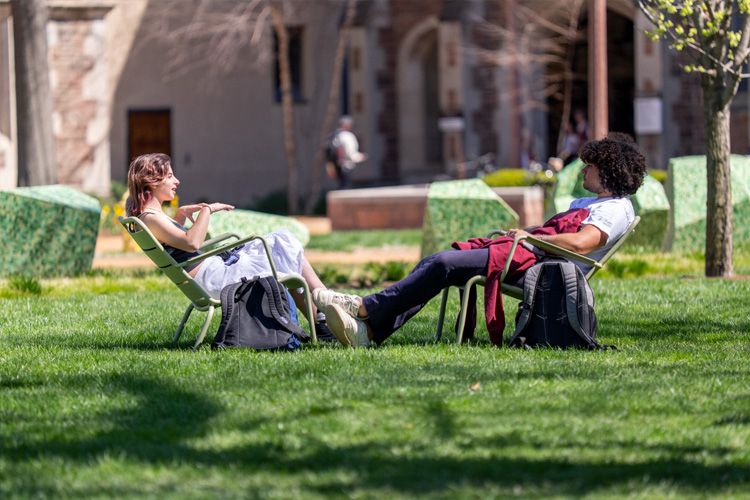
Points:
286	251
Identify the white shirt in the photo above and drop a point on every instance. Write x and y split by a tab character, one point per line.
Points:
610	215
347	140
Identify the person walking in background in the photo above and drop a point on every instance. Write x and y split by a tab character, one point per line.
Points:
343	152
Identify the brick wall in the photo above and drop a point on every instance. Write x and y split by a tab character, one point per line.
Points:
403	207
404	15
73	113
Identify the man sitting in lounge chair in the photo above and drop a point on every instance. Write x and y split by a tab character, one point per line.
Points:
614	169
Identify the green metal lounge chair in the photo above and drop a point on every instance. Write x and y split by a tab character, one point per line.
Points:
199	298
516	291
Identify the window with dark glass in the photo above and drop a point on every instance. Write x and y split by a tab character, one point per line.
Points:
294	34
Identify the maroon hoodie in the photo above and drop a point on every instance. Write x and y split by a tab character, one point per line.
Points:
565	222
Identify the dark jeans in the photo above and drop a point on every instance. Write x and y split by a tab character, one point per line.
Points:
344	177
393	307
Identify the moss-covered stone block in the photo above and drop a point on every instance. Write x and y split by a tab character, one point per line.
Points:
459	210
246	222
568	187
47	231
686	190
651	203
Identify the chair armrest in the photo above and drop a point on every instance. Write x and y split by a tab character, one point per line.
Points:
217	239
496	232
229	246
547	247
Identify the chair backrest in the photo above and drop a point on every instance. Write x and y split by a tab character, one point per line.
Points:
155	251
516	291
615	247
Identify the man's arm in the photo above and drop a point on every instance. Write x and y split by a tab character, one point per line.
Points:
588	239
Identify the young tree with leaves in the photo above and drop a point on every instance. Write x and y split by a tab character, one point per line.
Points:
715	34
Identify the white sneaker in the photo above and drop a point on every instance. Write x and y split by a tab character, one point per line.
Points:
349	303
349	331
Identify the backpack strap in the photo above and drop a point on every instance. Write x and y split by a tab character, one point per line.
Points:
271	286
527	306
572	285
573	277
227	297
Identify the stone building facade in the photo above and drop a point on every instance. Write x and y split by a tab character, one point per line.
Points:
425	81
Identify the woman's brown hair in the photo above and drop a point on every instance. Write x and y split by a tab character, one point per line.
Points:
145	172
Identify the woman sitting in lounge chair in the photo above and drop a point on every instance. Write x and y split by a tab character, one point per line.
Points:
151	183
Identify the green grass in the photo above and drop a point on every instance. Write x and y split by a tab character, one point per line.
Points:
95	402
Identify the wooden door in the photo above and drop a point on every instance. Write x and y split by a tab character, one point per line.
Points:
149	131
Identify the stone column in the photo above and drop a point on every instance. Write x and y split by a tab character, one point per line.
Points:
81	94
8	169
649	114
451	93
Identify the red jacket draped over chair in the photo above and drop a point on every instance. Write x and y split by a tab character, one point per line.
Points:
565	222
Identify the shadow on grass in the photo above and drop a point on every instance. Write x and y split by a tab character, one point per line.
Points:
166	420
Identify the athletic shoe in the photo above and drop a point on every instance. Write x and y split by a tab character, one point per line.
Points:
323	333
349	303
349	331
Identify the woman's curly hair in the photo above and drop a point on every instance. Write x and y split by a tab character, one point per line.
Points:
621	164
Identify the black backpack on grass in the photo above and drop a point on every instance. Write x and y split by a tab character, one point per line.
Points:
255	313
557	308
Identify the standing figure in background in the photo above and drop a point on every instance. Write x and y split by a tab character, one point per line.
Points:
582	125
571	143
343	152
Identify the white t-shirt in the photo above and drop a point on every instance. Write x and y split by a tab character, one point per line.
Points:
612	216
348	141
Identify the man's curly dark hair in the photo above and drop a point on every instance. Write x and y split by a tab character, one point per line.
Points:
621	164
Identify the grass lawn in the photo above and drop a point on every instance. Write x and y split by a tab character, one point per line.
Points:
95	402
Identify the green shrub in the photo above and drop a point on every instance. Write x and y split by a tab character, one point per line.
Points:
659	175
518	177
509	177
118	189
332	275
625	267
25	284
390	271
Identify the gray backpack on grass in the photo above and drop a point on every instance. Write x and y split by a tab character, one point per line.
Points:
256	314
557	308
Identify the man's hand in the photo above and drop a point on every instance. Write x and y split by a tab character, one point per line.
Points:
588	239
513	233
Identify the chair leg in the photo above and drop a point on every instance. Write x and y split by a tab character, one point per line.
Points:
296	281
182	323
465	305
462	314
209	316
310	315
441	315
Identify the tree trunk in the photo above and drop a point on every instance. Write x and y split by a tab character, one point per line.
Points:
287	108
572	39
719	242
333	99
36	141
